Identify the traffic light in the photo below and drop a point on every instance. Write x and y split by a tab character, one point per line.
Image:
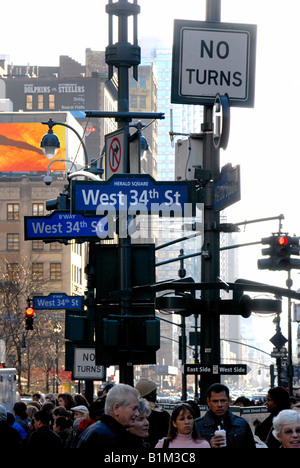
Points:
29	314
280	250
61	203
131	338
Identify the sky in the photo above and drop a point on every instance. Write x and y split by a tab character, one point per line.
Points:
263	139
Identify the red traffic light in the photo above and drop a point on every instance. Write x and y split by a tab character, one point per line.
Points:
283	240
29	312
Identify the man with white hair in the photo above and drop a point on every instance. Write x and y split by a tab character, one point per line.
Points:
110	433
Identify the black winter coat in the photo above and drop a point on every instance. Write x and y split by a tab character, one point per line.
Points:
238	431
106	435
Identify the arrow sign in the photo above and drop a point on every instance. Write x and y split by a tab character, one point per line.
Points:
63	225
56	301
221	369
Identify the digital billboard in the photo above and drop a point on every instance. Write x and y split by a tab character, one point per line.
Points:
20	149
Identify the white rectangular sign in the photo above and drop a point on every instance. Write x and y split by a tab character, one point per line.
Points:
211	59
85	367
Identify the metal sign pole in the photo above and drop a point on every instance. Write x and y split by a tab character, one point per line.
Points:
210	265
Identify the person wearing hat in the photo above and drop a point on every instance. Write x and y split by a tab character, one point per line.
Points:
159	418
79	411
9	437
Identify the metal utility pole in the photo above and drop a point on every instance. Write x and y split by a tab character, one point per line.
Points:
210	267
290	373
123	56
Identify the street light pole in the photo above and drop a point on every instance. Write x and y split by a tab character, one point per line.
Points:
124	55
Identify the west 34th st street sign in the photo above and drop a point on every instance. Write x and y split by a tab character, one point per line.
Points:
63	226
130	192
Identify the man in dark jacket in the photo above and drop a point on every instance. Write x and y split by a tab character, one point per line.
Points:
43	437
238	431
110	433
10	439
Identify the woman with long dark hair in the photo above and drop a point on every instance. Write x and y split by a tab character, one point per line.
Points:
278	399
182	430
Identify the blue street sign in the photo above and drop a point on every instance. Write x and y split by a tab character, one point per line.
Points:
227	190
131	192
58	301
63	225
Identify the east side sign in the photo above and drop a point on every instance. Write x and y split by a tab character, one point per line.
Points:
213	58
221	369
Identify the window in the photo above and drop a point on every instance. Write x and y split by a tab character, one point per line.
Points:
51	101
38	271
143	101
29	102
13	211
143	82
37	244
133	83
13	271
13	242
55	271
40	102
55	246
38	209
134	102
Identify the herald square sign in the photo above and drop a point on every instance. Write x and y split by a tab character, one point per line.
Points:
211	58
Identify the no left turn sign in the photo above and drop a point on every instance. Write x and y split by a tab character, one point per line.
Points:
114	153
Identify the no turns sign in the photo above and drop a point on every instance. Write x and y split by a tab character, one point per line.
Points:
213	58
85	367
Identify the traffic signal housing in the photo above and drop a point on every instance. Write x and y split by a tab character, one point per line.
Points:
281	248
61	203
29	315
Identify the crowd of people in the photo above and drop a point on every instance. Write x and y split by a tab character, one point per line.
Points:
125	418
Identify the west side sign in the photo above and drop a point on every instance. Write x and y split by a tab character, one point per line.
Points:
221	369
213	58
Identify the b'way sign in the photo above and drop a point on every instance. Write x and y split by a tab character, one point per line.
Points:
211	59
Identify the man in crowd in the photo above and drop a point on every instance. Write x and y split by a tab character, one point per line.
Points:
238	431
121	410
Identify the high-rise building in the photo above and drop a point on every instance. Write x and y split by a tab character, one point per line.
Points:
182	119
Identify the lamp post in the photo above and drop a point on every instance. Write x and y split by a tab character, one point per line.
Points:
50	143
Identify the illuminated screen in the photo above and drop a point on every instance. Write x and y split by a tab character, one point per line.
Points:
20	149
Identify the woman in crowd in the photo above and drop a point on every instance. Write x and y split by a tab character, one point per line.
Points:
66	400
140	429
278	399
287	428
182	430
